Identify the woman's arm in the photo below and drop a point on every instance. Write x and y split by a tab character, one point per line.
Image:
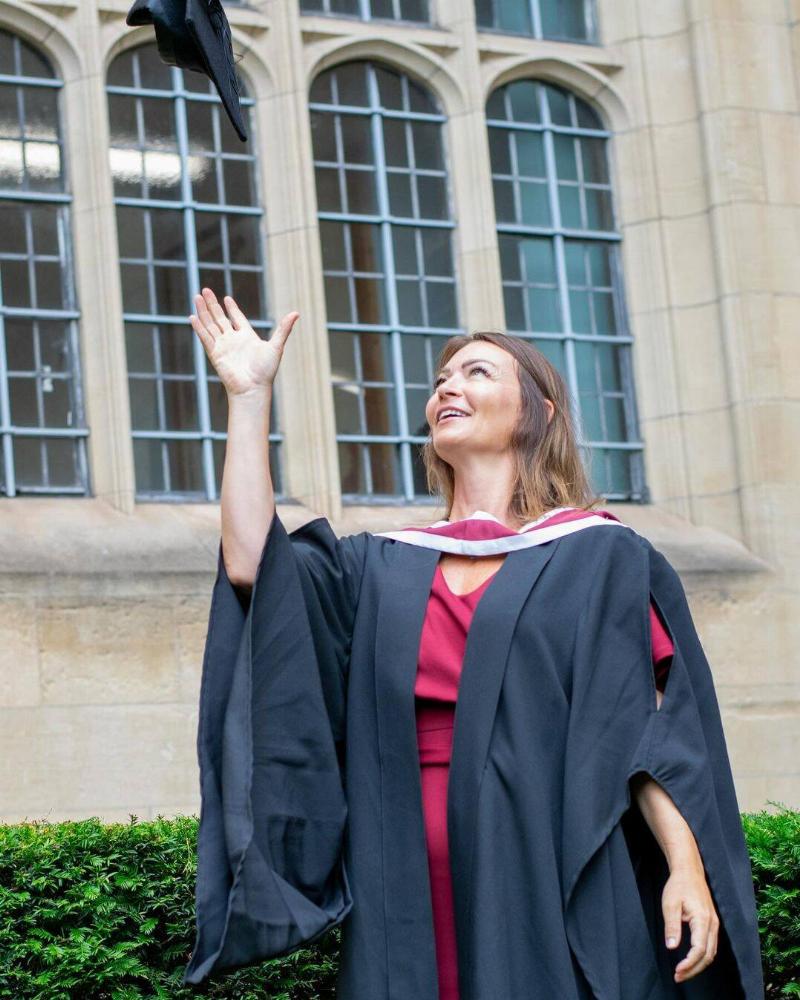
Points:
247	498
686	893
247	366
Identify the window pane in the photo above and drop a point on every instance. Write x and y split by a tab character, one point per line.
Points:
40	111
505	15
560	103
361	193
244	239
437	251
427	146
404	10
185	465
499	150
566	161
529	148
356	139
564	19
523	101
534	204
414	10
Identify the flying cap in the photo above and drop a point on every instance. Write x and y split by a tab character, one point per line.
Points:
195	34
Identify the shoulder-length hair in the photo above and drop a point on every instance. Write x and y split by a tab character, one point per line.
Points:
549	470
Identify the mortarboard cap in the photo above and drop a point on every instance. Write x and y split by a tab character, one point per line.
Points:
195	34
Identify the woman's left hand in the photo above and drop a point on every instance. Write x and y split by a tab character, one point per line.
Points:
687	897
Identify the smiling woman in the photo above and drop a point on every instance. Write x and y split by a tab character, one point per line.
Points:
470	781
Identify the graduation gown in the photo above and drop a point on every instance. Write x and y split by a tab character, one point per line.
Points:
311	808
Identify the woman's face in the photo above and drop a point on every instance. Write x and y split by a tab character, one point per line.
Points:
481	380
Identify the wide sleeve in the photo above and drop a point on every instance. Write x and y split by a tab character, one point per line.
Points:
270	872
613	869
683	748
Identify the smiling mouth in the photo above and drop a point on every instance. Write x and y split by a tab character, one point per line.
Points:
453	416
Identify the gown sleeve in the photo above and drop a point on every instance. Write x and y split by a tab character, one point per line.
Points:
270	872
613	868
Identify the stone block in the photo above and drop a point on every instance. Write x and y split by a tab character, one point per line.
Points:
690	261
668	67
107	654
680	169
779	147
20	682
73	758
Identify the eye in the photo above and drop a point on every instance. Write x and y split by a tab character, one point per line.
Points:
475	368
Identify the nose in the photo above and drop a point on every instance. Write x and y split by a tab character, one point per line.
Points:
445	387
445	392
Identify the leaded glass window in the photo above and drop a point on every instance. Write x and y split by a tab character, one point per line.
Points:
42	423
188	215
566	20
369	10
385	228
560	263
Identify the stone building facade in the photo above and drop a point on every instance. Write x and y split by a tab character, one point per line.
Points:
616	181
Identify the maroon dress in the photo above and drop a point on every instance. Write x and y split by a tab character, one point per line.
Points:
441	655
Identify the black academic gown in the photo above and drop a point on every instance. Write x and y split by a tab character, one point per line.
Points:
311	809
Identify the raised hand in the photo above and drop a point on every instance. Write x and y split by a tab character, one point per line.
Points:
243	361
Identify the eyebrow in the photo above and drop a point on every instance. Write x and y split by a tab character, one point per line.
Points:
465	364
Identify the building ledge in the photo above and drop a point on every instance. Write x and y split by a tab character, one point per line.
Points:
64	539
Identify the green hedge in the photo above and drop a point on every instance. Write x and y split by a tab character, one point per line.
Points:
106	912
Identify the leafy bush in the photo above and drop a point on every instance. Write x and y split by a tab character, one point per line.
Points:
773	841
94	911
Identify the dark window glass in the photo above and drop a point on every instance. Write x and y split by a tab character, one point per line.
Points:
188	216
42	422
559	260
368	10
568	20
386	236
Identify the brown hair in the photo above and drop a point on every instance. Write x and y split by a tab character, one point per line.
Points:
549	470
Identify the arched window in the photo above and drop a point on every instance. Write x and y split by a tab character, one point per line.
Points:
569	20
384	218
42	427
188	215
559	257
368	10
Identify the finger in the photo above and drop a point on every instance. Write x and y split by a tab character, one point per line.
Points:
237	317
698	949
282	331
711	951
713	942
206	338
205	317
672	925
216	310
705	959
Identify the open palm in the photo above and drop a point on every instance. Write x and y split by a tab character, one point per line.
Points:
243	360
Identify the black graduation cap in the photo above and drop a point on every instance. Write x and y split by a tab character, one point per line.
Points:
195	34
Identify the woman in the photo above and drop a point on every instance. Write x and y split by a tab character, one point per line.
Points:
525	840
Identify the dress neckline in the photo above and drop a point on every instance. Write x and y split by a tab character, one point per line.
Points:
469	593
